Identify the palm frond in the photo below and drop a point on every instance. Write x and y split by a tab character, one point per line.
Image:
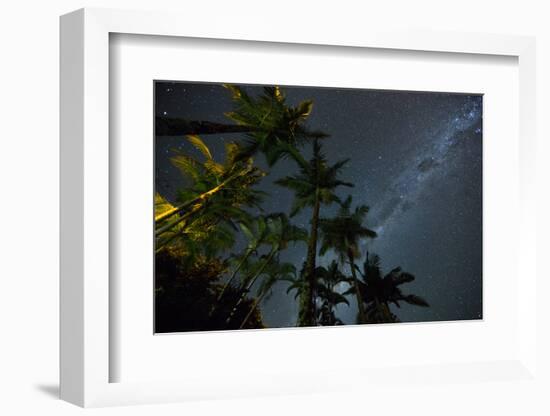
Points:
400	278
198	144
162	205
187	166
416	300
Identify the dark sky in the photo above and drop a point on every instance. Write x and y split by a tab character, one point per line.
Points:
416	161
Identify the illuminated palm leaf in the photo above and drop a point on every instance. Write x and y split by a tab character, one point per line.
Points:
275	128
213	206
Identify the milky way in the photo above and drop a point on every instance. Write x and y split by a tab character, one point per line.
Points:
415	159
436	154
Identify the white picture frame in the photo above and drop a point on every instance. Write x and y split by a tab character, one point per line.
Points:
85	266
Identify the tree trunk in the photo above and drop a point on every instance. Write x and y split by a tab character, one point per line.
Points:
201	198
254	305
167	126
220	297
246	256
161	244
181	219
387	313
307	305
383	313
330	306
360	306
251	283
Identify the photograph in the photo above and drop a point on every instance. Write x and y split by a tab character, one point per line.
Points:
279	206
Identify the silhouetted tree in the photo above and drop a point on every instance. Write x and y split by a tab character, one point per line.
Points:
378	291
271	125
274	272
276	128
256	234
280	233
343	234
326	297
213	203
314	185
327	281
186	288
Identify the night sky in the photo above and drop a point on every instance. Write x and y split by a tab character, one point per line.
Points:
416	161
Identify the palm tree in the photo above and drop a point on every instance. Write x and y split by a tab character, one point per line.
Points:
343	234
274	272
327	281
272	126
193	236
280	234
276	129
218	193
256	234
379	291
313	186
210	177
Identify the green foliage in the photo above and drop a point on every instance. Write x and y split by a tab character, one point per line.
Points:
273	272
211	208
327	281
281	231
278	233
316	179
234	177
326	295
344	232
313	186
276	129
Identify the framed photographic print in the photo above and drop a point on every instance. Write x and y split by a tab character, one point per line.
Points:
286	197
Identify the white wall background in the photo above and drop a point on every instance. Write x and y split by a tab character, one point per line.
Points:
29	209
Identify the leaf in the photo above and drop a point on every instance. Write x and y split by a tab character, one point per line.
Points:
350	291
416	300
304	108
337	298
298	205
187	166
278	94
214	167
235	91
162	205
197	142
247	232
400	278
